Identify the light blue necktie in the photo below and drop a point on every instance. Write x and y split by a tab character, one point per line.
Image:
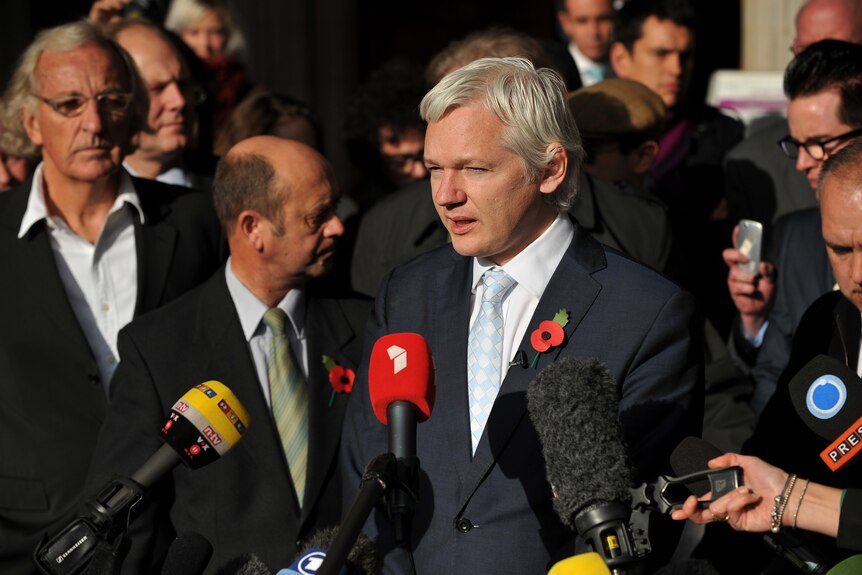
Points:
289	399
485	351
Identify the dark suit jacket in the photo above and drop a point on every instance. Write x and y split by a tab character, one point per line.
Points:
243	503
52	401
803	275
492	513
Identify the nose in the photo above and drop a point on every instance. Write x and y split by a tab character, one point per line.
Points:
446	190
674	64
856	267
804	161
334	227
91	118
174	97
418	171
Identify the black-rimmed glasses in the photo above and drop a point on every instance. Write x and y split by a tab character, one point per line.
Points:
817	149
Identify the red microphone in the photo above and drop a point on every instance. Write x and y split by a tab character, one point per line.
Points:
401	386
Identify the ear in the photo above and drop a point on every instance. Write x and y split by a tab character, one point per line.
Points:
621	60
563	18
250	229
31	125
555	172
644	157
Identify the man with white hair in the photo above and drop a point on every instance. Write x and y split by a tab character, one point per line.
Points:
504	155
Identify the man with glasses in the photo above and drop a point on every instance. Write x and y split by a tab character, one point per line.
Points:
824	85
166	142
83	248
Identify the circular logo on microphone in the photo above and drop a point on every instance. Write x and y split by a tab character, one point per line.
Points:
311	562
826	396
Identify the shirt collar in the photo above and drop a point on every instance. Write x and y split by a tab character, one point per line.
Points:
581	61
176	176
533	267
37	208
251	310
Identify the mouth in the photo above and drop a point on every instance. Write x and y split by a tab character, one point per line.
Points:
461	225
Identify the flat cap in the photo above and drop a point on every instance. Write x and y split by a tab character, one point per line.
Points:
617	107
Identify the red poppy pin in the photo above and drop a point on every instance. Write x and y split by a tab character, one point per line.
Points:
549	334
340	377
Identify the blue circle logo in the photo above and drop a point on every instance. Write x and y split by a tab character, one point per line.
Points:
311	562
826	396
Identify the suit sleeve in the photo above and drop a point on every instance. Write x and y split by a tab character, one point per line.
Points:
128	438
662	395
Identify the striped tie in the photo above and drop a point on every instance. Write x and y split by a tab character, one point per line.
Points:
289	398
485	351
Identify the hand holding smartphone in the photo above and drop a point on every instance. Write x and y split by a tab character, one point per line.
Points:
749	241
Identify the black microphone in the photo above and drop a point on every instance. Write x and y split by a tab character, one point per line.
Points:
827	395
189	554
249	564
573	405
363	558
693	454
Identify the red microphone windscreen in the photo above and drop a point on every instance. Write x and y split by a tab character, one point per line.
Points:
401	369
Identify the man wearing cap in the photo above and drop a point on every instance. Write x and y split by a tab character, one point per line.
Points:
621	122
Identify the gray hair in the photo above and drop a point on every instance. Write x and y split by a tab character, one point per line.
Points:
21	93
530	102
184	13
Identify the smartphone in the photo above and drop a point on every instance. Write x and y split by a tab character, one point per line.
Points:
749	242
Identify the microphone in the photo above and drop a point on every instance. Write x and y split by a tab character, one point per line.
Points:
827	395
583	564
362	560
694	454
202	426
189	554
402	391
573	405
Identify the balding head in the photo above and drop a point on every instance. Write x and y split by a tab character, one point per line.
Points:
828	20
276	198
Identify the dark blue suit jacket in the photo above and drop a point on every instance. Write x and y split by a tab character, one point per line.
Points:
644	327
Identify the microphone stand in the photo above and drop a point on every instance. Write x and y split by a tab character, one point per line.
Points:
379	478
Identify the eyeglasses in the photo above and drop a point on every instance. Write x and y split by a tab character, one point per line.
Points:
817	149
114	103
403	162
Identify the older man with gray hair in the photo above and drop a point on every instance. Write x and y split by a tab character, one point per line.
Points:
84	248
504	155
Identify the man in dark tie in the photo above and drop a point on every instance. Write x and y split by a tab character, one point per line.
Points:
504	155
258	327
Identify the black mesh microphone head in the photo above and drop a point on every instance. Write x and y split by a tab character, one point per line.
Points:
690	456
363	558
249	564
573	404
189	554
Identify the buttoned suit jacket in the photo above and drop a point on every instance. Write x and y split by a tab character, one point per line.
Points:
492	513
244	502
52	402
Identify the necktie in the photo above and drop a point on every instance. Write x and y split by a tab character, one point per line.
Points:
485	351
289	399
594	74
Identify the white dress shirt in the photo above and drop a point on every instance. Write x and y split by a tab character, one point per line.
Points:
251	310
101	279
532	270
585	65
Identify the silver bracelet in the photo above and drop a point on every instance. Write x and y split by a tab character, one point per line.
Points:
780	503
799	502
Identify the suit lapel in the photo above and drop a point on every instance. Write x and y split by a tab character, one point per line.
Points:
329	332
155	241
33	264
571	287
450	360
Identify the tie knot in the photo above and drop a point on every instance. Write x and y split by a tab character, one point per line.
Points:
497	283
274	319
